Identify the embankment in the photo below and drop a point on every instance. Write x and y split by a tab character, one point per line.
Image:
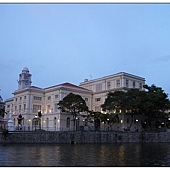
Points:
83	137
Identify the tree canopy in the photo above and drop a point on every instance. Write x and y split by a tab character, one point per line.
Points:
73	104
1	99
151	102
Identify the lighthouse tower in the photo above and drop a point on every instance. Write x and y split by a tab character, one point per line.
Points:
24	79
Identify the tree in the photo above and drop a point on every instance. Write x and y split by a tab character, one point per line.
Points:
2	112
39	114
109	119
135	103
1	99
156	104
39	117
115	102
73	104
94	117
153	102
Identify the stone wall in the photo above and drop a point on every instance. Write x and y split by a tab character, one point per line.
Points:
83	137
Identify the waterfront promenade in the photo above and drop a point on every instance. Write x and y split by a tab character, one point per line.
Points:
72	137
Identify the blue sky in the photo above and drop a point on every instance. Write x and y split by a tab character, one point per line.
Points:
71	42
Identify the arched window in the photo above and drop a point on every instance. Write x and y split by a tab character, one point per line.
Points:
36	123
68	123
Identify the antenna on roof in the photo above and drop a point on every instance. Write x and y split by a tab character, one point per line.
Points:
90	77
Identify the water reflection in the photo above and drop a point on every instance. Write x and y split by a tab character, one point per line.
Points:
129	154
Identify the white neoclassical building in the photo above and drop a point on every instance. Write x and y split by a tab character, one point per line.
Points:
28	100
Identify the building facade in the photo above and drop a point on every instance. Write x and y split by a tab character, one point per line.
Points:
28	100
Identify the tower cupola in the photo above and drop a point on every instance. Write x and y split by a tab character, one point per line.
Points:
24	79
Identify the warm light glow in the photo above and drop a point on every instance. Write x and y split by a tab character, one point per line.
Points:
50	111
44	121
114	111
120	111
58	120
29	120
83	120
102	111
136	120
121	121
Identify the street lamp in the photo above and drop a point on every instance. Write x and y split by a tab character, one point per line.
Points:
137	124
76	123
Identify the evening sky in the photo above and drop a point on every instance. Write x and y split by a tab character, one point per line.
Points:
71	42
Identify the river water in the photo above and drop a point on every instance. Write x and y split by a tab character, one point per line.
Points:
88	155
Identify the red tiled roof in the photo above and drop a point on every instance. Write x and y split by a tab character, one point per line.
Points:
69	85
72	85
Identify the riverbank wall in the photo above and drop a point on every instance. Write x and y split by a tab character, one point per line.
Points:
82	137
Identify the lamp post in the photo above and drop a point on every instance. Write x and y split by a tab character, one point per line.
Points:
137	124
35	122
76	123
108	123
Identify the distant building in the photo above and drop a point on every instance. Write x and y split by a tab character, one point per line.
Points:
29	100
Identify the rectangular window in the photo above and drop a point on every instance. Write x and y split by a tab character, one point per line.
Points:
19	108
37	98
16	99
24	97
86	99
48	108
140	86
20	98
127	83
36	108
24	107
97	108
8	106
55	107
98	87
49	98
108	85
56	96
134	84
97	99
117	83
15	108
